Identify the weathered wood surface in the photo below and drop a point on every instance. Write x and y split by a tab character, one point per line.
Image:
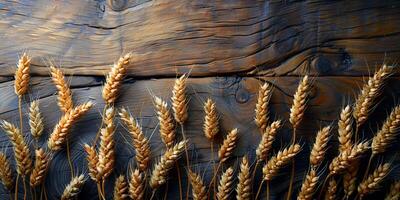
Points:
272	38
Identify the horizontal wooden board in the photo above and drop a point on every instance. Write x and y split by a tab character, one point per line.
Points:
169	37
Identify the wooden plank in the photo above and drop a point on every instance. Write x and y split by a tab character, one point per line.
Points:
270	38
235	98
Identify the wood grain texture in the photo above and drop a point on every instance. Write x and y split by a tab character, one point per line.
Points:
235	98
169	37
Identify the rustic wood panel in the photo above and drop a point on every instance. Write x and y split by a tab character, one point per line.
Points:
272	38
235	97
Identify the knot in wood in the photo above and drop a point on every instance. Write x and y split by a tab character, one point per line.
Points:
117	5
242	96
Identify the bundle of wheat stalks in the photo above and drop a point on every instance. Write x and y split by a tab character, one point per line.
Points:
341	177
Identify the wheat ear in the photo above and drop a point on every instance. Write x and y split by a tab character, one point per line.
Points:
107	143
167	129
114	79
199	191
120	188
309	186
72	190
372	182
320	146
35	120
179	101
267	139
225	184
394	192
281	159
22	75
387	134
63	127
264	95
299	102
64	92
366	99
140	142
211	124
243	188
341	162
345	129
136	185
159	174
92	160
350	178
6	174
228	145
42	162
21	149
332	189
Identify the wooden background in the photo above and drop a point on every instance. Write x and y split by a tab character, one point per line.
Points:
229	47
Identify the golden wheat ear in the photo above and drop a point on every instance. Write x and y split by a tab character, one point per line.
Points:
267	139
42	162
167	128
6	174
22	75
228	145
345	129
136	185
199	191
309	186
64	92
374	180
332	189
225	185
299	102
35	120
107	145
262	112
243	189
211	124
121	188
72	190
343	161
394	192
92	162
179	100
281	159
387	134
320	147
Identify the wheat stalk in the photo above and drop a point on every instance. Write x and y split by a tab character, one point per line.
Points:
267	139
106	150
264	95
6	174
42	163
179	101
140	142
309	185
387	134
114	79
211	125
21	149
243	188
228	145
372	182
159	174
320	146
225	184
345	129
73	188
341	162
92	160
167	129
63	127
35	120
120	188
281	159
199	191
394	192
136	185
22	75
299	102
332	189
366	99
64	92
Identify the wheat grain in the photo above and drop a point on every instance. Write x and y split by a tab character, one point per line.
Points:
179	101
199	191
42	162
320	146
264	95
140	142
120	188
228	145
72	190
92	160
267	139
21	149
159	174
332	189
345	129
63	127
387	134
35	120
370	91
167	129
243	188
64	92
394	192
114	79
309	185
279	160
372	182
225	185
299	102
6	174
106	150
211	124
341	162
22	75
136	185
